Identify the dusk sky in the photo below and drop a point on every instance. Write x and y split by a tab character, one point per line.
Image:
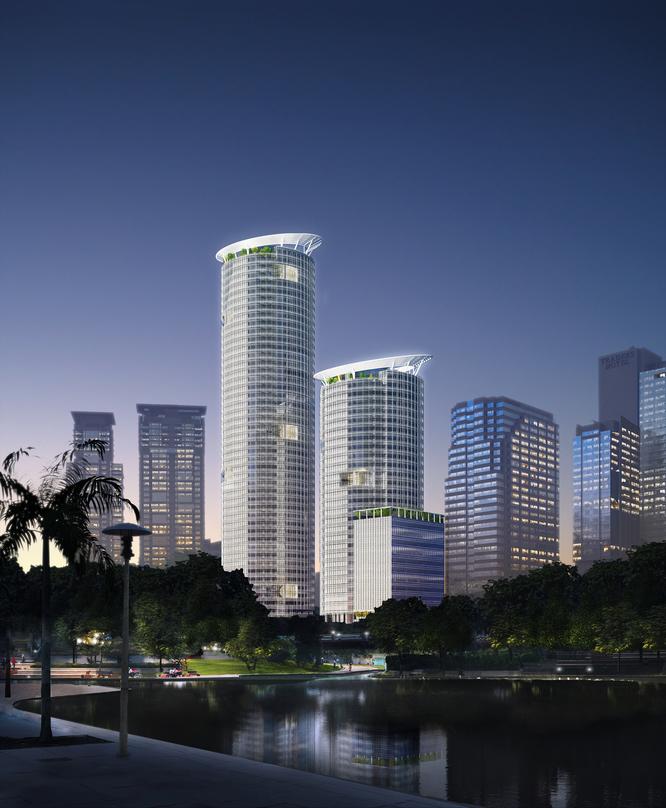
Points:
488	180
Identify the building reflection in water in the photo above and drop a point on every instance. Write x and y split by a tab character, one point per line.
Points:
405	759
511	744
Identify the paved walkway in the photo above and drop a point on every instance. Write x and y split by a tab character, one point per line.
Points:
159	774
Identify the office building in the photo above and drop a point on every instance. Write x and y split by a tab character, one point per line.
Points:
502	494
371	443
268	417
619	380
606	495
99	426
653	453
171	481
212	547
398	553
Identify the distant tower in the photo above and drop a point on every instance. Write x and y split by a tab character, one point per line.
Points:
653	453
99	426
268	418
502	492
606	499
619	375
371	443
171	481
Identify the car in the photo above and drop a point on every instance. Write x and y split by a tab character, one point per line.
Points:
574	669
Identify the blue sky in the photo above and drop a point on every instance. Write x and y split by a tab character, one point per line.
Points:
488	179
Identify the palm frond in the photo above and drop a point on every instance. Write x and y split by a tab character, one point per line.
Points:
9	463
12	488
22	522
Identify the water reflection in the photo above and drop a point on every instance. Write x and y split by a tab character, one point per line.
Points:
496	744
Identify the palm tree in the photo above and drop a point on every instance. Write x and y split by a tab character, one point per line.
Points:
57	511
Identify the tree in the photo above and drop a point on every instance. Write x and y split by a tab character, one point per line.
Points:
645	576
616	630
210	601
504	610
252	642
396	626
448	627
57	511
654	630
157	628
12	608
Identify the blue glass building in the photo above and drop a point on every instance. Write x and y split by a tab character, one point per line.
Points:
606	496
502	492
653	454
398	553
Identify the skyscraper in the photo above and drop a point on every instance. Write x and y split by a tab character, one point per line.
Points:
398	553
171	481
268	417
371	443
618	382
502	493
653	453
606	496
99	426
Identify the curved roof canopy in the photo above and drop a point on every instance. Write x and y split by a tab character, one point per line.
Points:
408	363
303	242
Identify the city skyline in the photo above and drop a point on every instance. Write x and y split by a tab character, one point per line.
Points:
507	198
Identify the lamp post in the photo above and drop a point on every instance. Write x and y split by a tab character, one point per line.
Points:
126	530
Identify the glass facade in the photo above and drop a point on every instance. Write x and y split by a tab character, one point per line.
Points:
398	553
371	443
653	454
99	426
171	481
502	492
268	417
606	495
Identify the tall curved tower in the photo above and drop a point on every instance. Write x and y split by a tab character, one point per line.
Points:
371	455
268	464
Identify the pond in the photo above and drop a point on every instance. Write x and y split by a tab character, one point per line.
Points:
495	743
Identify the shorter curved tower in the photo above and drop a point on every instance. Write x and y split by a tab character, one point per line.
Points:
371	444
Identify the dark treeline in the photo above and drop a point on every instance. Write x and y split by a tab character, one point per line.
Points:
175	612
616	606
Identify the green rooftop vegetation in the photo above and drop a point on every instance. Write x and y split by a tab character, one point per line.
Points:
253	250
404	513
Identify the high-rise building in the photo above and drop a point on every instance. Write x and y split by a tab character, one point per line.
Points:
398	553
99	426
268	417
212	547
371	444
653	453
618	382
502	492
171	481
606	496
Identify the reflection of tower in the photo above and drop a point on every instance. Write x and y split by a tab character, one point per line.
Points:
379	756
432	763
283	739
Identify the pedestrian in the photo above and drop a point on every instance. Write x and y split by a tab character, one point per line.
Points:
14	663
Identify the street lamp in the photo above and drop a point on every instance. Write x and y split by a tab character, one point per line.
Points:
126	530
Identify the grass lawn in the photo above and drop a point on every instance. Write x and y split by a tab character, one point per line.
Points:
213	667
